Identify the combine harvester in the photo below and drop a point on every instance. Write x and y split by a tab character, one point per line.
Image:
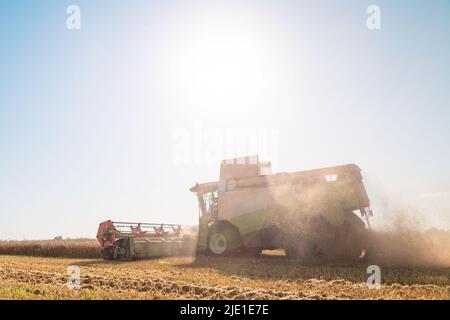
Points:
320	214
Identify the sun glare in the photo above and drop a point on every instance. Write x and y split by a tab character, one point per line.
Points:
223	61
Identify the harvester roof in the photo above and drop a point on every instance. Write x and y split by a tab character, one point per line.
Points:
257	179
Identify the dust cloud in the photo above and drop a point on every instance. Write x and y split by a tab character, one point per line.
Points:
409	240
404	233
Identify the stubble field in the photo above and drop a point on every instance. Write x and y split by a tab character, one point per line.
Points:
270	276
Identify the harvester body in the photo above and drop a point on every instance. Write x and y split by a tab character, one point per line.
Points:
306	213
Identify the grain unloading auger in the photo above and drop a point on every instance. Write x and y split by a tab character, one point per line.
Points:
130	240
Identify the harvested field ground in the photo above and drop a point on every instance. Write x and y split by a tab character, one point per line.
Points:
270	276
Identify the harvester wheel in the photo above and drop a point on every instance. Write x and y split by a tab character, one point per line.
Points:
350	241
301	249
218	243
223	240
107	253
115	253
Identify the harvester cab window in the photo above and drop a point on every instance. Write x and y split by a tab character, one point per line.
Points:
211	202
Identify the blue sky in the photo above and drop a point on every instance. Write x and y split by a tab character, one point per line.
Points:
87	116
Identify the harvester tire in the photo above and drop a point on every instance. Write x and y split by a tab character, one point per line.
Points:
223	240
115	253
350	241
107	254
301	249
